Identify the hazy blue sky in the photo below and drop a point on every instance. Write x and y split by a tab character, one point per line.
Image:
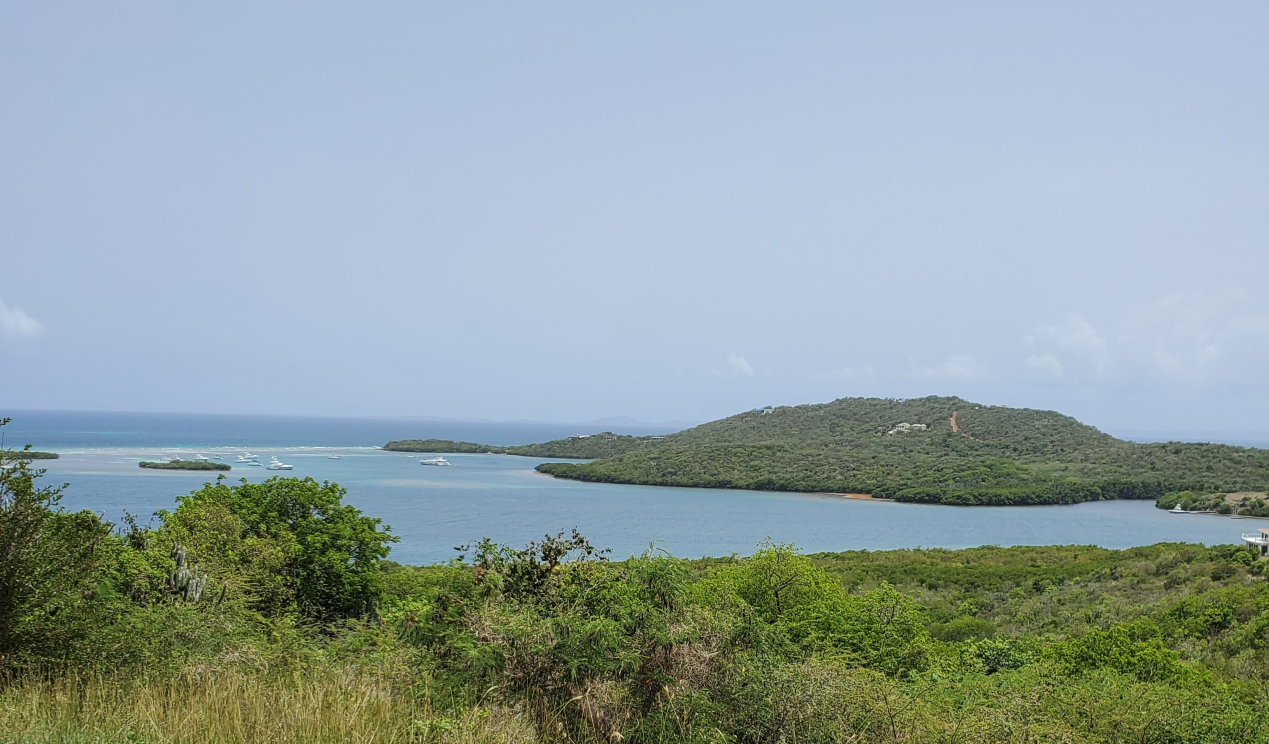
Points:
669	211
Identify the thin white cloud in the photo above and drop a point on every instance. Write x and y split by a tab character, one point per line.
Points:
1186	338
1194	337
1072	339
739	365
955	367
15	323
1044	366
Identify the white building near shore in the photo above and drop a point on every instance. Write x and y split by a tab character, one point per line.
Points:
1258	541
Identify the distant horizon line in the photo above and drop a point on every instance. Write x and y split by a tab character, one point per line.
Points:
1131	434
620	420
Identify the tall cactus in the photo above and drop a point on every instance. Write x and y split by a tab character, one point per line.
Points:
183	583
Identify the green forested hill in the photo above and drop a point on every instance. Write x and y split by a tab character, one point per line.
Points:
935	450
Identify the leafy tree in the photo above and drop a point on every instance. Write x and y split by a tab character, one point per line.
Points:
47	556
291	543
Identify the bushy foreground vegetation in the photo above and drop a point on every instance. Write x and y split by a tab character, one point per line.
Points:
267	612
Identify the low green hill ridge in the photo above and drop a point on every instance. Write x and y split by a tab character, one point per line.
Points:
586	447
930	450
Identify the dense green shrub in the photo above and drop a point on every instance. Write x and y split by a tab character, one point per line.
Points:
47	557
290	543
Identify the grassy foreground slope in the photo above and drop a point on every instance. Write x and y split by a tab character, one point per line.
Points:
952	451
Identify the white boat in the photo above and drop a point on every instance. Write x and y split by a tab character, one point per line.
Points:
201	458
1176	510
276	464
333	457
434	461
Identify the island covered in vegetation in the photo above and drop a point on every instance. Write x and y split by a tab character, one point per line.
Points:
926	450
184	465
581	447
27	454
268	612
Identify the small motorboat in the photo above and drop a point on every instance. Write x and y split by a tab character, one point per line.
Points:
333	457
1176	510
434	461
201	458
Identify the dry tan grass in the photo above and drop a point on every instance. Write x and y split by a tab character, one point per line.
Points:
235	708
1238	498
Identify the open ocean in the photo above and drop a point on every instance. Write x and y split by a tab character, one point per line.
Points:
434	509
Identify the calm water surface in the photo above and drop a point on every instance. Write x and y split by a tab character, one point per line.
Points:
433	509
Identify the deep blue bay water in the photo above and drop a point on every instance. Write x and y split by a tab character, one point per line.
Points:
433	509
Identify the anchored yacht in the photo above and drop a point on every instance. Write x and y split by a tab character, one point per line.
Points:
434	461
276	464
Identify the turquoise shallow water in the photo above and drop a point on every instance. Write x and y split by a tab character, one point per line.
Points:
434	509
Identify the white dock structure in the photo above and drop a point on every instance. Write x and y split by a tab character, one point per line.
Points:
1259	541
